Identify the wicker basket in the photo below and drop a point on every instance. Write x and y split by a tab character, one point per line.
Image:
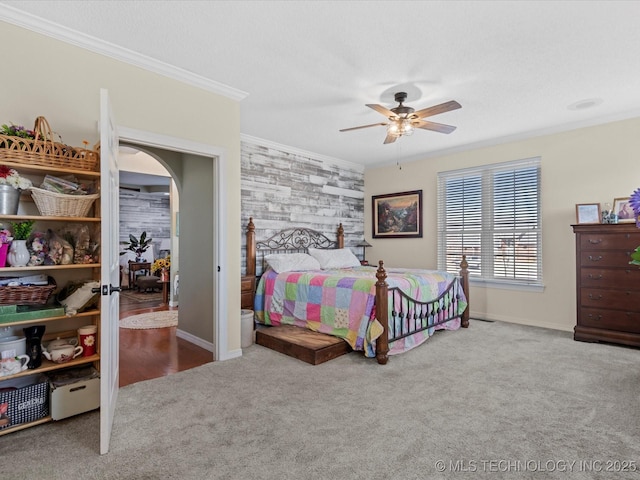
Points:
27	294
61	205
45	152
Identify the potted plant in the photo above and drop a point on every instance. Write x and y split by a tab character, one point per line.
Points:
11	185
138	246
18	255
22	230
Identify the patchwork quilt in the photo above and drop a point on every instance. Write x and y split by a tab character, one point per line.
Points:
342	302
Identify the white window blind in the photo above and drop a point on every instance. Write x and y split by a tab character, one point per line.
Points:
491	214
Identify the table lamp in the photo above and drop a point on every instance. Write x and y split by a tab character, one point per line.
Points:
364	244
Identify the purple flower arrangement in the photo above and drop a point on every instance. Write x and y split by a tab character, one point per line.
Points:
17	131
634	201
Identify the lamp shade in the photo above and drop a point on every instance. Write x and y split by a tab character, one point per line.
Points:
363	243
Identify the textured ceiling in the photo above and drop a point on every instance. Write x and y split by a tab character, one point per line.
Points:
310	67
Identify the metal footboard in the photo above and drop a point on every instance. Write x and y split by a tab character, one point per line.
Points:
408	316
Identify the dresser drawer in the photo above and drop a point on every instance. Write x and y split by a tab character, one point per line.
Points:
610	319
247	283
622	299
246	301
605	258
606	241
624	278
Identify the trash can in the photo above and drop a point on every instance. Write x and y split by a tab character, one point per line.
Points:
247	329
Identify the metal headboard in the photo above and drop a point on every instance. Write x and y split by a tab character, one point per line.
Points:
291	240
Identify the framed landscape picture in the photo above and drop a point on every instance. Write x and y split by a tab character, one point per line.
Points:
397	215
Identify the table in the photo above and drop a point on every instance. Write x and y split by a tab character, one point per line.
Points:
165	291
135	267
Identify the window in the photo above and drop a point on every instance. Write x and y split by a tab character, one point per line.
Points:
491	214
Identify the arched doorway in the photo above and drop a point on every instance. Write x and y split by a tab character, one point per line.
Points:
149	203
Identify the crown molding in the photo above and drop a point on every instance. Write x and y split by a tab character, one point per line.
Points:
67	35
303	153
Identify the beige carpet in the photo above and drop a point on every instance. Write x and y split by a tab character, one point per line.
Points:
499	402
167	318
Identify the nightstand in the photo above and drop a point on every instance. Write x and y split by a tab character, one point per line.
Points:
247	291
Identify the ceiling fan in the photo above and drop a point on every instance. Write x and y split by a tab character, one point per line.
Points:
403	120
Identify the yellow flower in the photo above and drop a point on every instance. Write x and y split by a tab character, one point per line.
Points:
161	263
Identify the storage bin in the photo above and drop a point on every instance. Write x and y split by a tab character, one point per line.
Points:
12	346
46	152
62	205
23	400
74	391
27	294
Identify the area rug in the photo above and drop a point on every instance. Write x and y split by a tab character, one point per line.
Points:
168	318
142	296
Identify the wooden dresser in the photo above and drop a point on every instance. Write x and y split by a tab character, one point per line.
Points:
608	288
247	291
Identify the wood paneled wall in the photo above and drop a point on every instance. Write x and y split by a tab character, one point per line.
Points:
282	189
140	212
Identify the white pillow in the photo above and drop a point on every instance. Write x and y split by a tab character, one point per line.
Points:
338	258
292	262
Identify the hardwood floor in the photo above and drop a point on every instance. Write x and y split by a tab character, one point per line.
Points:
154	352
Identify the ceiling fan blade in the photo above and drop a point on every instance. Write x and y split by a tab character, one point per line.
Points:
390	138
363	126
436	127
436	109
380	109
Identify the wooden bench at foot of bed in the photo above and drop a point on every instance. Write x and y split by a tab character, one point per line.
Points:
306	345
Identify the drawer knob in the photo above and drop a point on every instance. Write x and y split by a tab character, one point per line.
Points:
595	259
597	317
595	241
595	297
595	277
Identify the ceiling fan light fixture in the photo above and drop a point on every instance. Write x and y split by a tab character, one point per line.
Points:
400	127
403	120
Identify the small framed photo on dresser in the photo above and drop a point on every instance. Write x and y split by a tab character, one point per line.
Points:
622	208
588	213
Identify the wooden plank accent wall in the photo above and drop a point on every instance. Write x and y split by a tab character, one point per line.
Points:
141	212
282	189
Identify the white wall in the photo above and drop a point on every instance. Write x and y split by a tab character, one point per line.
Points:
140	162
588	165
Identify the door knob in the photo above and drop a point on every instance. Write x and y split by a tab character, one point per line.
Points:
105	290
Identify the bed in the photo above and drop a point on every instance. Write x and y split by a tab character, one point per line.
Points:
380	311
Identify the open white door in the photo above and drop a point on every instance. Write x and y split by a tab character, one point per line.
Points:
110	279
